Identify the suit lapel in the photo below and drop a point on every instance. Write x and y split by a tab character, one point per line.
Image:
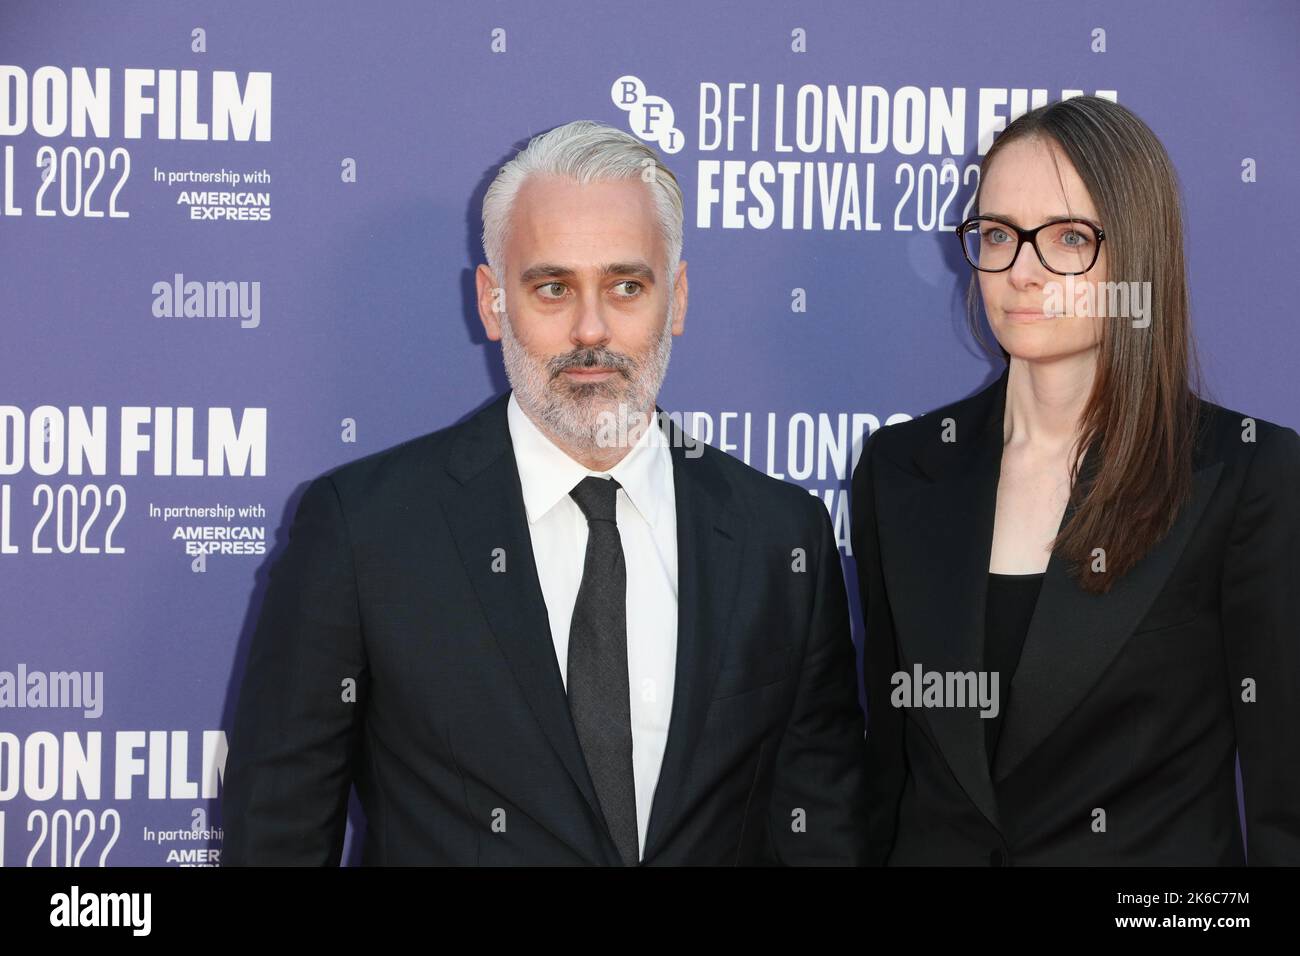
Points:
941	528
1073	636
486	511
710	541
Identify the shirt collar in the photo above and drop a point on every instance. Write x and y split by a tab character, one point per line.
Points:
547	473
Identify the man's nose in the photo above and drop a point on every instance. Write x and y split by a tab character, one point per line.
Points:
590	328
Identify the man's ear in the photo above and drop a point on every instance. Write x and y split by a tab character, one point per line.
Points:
491	302
679	293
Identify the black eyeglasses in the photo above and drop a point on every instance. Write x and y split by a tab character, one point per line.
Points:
1066	247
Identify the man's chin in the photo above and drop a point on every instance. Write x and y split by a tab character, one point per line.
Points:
587	410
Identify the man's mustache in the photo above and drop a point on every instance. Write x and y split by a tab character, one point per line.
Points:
591	358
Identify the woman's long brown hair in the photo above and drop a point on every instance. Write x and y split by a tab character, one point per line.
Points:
1138	426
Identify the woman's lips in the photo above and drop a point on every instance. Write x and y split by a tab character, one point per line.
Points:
1030	315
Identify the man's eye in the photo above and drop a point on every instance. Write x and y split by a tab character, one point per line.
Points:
557	287
635	287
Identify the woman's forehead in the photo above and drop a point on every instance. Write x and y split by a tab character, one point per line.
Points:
1031	180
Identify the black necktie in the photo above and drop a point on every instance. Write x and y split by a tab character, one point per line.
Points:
597	681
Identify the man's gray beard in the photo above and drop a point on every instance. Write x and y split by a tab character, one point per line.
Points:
587	416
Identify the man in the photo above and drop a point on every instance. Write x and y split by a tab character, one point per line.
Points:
560	632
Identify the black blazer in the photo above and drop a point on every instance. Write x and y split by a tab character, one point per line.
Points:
461	722
1130	702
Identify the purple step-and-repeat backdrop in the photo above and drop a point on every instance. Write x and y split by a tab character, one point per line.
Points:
237	245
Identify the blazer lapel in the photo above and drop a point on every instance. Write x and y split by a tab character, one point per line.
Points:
486	512
710	541
941	530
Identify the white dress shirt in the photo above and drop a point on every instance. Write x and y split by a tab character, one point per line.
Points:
647	525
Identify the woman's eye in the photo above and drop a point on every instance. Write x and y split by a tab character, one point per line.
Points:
558	287
994	234
635	287
1073	238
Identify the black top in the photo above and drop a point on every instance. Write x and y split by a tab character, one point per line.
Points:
1008	610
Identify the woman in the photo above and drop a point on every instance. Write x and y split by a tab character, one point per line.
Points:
1082	584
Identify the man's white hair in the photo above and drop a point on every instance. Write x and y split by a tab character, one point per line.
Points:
582	151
